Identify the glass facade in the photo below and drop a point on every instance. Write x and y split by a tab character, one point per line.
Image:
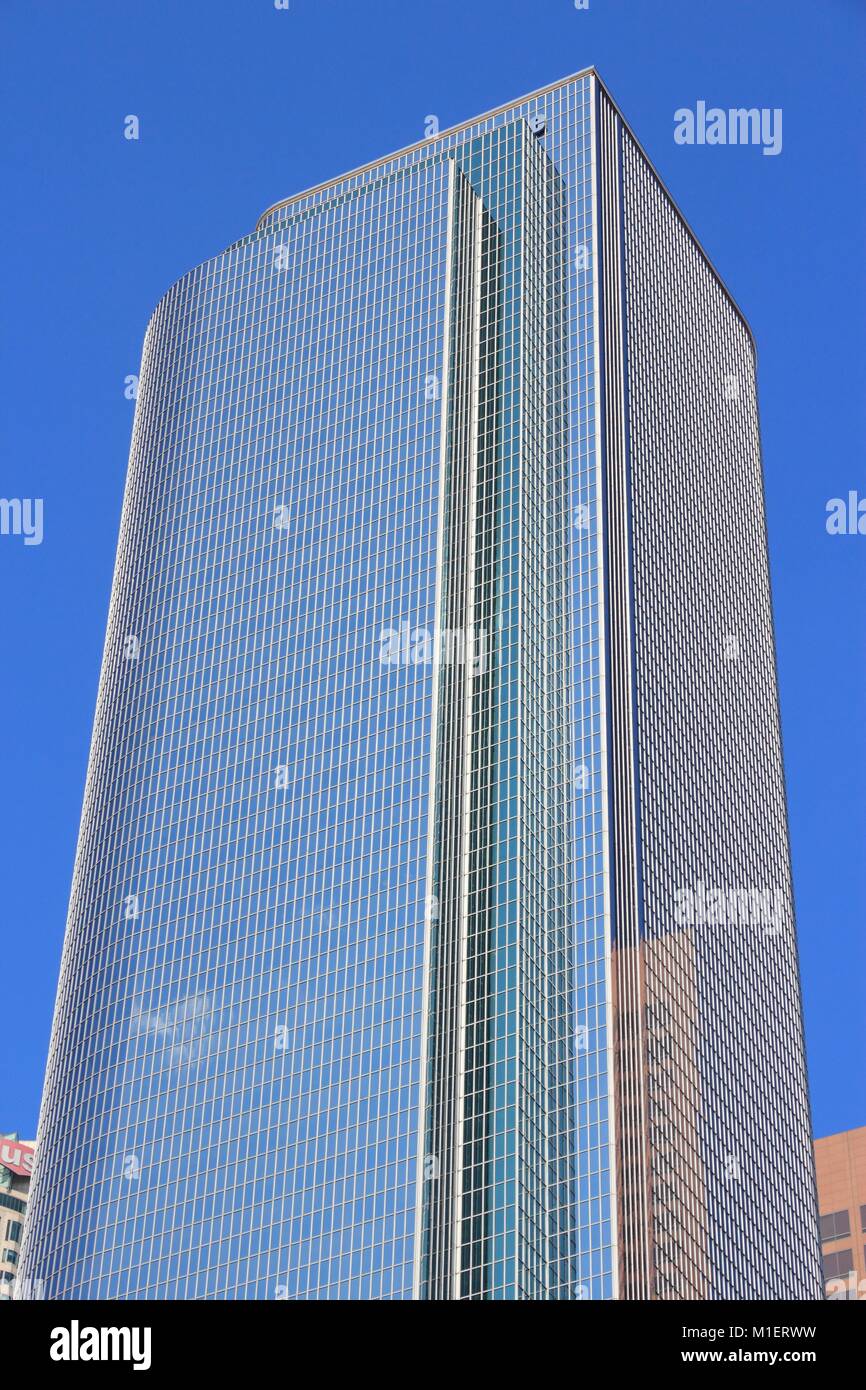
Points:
731	1166
372	985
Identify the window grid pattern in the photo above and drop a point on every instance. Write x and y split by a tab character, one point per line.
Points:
498	1203
589	891
566	114
240	989
236	1040
239	1023
730	1138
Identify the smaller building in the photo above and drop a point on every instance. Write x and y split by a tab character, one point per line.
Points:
16	1166
840	1166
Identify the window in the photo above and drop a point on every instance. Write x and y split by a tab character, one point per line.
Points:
836	1226
13	1203
863	1218
13	1230
838	1264
10	1257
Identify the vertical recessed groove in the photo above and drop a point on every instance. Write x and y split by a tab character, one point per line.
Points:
628	986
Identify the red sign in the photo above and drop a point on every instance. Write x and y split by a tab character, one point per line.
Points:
17	1156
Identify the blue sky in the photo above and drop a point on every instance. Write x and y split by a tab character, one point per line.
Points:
241	104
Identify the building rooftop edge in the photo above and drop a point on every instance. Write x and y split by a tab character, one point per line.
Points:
427	140
840	1134
590	71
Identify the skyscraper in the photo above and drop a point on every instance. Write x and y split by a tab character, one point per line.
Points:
431	932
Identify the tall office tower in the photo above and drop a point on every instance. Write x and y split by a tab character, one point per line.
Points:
431	930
